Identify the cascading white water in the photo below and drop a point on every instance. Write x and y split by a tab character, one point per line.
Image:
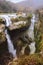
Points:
31	35
8	21
7	18
31	28
10	44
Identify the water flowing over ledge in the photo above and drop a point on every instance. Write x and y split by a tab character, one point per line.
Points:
14	25
10	44
30	33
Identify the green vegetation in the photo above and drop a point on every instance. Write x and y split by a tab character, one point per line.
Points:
37	35
41	29
29	16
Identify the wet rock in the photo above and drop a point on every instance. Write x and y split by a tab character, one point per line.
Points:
41	30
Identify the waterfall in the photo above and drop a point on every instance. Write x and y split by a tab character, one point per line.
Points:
30	33
10	44
7	19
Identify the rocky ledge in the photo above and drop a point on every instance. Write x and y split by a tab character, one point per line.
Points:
17	23
20	22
